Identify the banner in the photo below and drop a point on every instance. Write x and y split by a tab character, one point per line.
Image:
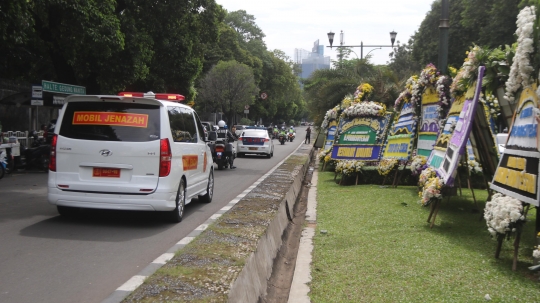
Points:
517	172
460	136
361	138
429	127
400	140
330	135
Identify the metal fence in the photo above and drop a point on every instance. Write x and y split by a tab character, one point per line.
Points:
22	136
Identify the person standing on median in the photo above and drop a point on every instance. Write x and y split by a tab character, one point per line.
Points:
308	136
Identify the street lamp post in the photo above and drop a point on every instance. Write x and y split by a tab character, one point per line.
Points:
393	35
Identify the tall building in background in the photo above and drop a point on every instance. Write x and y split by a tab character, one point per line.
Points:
311	61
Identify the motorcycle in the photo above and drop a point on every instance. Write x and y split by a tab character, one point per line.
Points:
291	136
282	139
276	135
36	156
222	151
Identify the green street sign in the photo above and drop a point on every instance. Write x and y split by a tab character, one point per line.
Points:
62	88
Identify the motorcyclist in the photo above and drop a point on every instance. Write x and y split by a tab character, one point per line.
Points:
276	130
224	133
291	130
283	132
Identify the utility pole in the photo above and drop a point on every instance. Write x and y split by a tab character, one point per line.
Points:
444	26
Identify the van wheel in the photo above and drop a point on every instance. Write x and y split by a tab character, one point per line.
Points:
66	211
175	216
209	189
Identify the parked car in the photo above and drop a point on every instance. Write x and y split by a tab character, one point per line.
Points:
209	127
255	141
134	151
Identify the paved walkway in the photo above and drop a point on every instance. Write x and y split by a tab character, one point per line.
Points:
302	272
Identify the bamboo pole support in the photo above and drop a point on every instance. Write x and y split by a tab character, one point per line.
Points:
459	183
356	178
436	211
500	240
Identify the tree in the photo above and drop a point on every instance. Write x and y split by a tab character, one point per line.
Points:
108	45
228	87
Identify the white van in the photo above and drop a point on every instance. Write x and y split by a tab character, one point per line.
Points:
133	151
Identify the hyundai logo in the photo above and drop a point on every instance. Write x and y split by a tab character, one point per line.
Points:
105	152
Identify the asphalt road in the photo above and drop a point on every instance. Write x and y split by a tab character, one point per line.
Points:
48	258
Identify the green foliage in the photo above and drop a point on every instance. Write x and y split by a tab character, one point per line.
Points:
246	121
107	45
486	23
228	87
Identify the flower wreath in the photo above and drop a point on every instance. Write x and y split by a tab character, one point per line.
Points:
349	167
432	190
425	175
386	165
503	215
330	114
363	92
364	108
521	70
418	164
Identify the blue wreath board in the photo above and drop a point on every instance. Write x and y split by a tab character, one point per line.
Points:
400	140
361	138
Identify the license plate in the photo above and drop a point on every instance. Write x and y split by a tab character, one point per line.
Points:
218	155
253	148
106	172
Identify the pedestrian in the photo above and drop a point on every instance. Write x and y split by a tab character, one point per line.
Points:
308	136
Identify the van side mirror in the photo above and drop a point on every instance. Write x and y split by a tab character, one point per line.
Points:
212	136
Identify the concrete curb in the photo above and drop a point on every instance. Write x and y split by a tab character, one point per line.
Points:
259	265
252	281
302	271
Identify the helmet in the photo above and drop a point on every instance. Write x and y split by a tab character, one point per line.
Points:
283	127
221	123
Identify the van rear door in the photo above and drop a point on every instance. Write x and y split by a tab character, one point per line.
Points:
109	146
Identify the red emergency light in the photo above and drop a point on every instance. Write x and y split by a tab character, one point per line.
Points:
159	96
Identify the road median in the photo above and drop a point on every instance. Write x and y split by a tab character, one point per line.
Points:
230	258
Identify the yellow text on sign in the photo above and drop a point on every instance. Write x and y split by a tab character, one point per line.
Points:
360	152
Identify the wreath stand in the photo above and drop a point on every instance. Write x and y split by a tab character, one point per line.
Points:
469	186
500	239
434	209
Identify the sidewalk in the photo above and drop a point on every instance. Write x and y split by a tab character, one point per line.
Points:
302	272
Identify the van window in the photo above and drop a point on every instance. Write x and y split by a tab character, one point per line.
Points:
111	121
182	124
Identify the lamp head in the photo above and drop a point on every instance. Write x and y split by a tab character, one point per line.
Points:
393	35
331	38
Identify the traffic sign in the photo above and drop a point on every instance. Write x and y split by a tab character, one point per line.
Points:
264	96
36	102
37	92
68	89
246	111
246	106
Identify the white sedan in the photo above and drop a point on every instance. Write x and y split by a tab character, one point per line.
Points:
255	141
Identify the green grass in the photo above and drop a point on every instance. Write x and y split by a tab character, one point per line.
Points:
379	248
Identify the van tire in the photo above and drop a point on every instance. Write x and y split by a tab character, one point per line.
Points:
209	189
66	211
176	215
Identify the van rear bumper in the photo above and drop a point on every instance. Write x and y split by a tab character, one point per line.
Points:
152	202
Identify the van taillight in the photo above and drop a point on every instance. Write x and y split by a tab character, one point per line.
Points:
52	156
165	157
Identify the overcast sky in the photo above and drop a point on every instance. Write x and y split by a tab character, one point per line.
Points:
290	24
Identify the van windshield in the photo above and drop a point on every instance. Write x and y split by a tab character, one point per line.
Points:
111	121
